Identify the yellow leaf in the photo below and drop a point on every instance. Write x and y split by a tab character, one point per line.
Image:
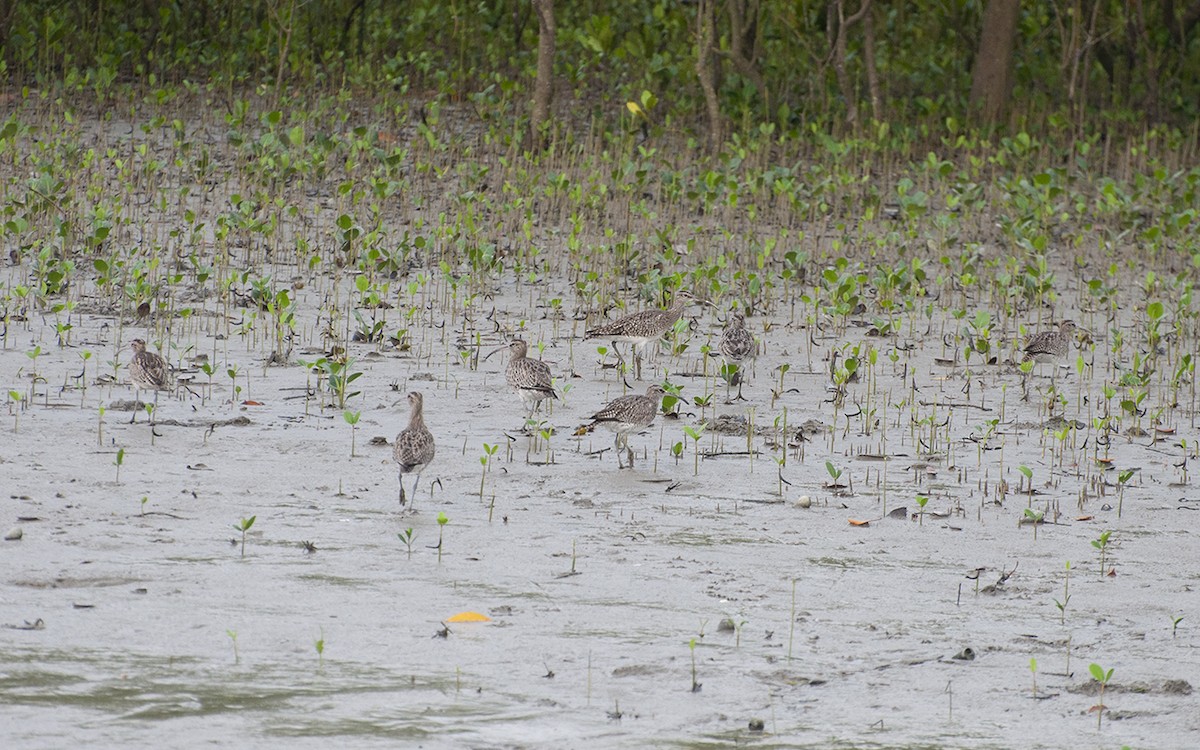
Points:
634	108
469	617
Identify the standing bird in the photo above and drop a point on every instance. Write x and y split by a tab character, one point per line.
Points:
530	378
736	346
625	415
640	328
1050	346
148	371
414	446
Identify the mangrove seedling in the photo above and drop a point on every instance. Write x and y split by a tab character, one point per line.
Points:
352	418
406	536
244	526
834	473
485	461
921	502
1034	517
145	500
1122	478
442	521
1175	624
1028	473
1033	671
1101	677
694	433
320	646
1101	544
692	647
120	460
1062	606
233	637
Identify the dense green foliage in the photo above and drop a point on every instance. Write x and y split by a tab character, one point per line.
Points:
1141	60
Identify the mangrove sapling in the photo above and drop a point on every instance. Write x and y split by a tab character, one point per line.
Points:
1028	473
1033	671
1062	606
233	637
142	508
406	536
835	474
320	646
14	402
1034	517
243	526
922	500
1122	478
442	521
1175	624
118	462
1101	544
352	418
485	461
694	433
1101	677
692	647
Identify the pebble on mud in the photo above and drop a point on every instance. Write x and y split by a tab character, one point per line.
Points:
757	725
804	502
14	534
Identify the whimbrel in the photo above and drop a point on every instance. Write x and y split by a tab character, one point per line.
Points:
1050	346
736	346
625	415
530	378
640	328
414	446
148	371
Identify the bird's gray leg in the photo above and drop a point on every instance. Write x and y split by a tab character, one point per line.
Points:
133	419
402	488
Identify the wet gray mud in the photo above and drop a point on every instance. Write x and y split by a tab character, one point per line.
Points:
760	586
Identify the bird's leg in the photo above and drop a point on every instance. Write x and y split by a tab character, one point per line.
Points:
414	492
617	447
740	397
402	488
133	419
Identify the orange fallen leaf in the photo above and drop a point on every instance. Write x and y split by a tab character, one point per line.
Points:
252	403
468	617
1112	572
853	522
1084	518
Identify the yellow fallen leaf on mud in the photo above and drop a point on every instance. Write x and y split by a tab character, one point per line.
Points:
469	617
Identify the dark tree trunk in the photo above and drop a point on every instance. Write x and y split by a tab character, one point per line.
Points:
543	87
991	81
706	70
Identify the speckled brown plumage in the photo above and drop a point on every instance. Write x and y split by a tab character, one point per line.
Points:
529	378
626	415
640	328
147	371
1050	346
414	448
736	346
